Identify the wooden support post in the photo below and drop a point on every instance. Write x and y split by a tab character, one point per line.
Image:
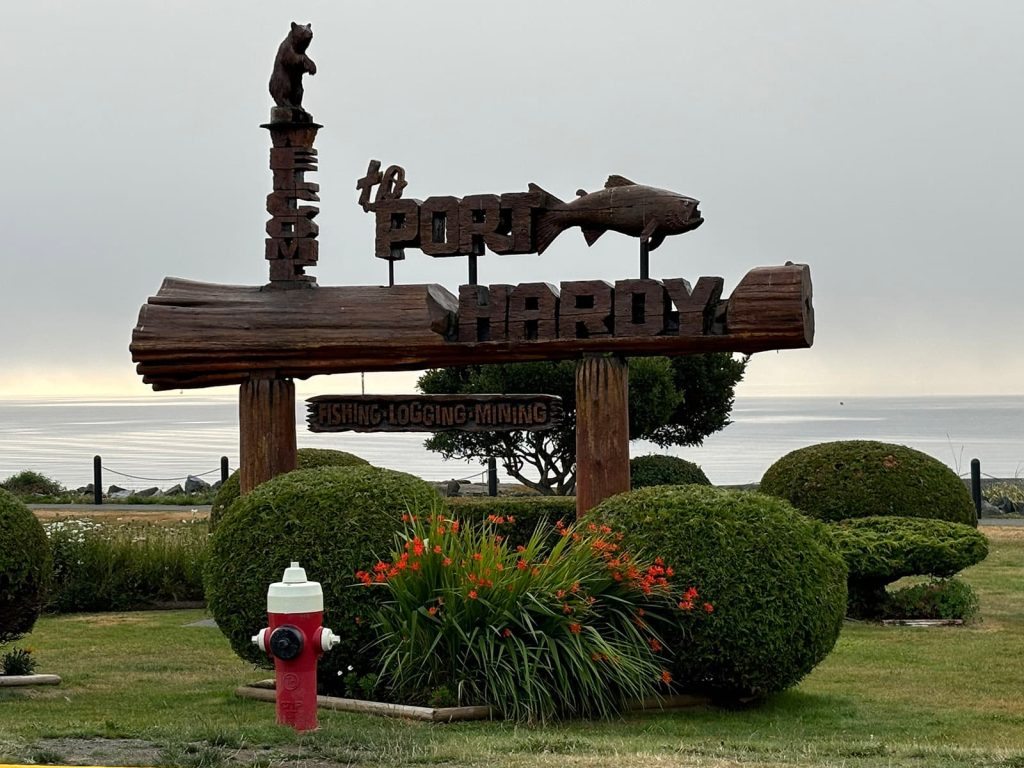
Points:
602	430
266	425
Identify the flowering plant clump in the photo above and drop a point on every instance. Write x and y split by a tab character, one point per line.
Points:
536	631
18	661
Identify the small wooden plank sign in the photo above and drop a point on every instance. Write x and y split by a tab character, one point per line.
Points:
433	413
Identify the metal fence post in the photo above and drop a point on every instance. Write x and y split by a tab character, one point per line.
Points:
492	476
97	480
976	486
223	469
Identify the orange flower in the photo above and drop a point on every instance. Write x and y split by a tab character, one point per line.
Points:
506	632
432	610
521	564
709	607
655	645
455	526
446	562
566	608
417	546
575	628
472	594
686	605
560	594
666	676
477	556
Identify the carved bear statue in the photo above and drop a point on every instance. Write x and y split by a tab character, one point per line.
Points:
290	65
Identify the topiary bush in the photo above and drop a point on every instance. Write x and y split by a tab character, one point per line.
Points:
516	517
864	478
333	520
777	586
645	471
305	458
24	568
880	550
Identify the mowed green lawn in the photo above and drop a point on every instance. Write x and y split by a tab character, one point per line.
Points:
887	696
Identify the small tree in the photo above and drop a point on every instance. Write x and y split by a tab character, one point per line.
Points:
672	401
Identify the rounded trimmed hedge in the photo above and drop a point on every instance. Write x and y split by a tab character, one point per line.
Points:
334	521
519	516
305	458
660	469
884	549
865	478
777	587
24	567
881	550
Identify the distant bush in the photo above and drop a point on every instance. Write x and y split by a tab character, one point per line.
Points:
99	567
645	471
516	517
333	520
935	599
881	550
777	587
864	478
305	458
29	483
24	568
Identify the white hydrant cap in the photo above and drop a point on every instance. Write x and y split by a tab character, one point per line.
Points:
293	594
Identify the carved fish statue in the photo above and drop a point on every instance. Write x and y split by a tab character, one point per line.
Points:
624	206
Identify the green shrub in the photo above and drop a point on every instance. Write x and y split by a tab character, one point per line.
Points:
18	661
645	471
333	520
777	586
538	632
1010	489
935	599
305	458
864	478
519	515
99	567
880	550
884	549
29	483
24	568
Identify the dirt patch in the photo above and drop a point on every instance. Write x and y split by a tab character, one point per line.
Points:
120	516
1003	533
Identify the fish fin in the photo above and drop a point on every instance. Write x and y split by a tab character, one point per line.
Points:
618	181
649	230
657	240
581	193
548	227
591	235
551	200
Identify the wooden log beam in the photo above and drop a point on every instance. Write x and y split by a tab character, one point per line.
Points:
266	427
602	430
198	334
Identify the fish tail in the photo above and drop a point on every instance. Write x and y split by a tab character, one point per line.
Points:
550	223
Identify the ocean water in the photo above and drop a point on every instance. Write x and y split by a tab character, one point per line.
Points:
159	439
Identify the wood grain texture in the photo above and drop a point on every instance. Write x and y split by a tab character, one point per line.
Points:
266	427
198	334
602	430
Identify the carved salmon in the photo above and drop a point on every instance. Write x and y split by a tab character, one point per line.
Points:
624	206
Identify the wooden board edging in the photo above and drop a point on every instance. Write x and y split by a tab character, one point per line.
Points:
263	690
13	681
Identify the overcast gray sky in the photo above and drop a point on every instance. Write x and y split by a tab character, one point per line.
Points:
879	142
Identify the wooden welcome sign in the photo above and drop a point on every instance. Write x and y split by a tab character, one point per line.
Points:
432	413
263	337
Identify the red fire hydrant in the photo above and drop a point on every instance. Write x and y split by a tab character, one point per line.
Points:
296	640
